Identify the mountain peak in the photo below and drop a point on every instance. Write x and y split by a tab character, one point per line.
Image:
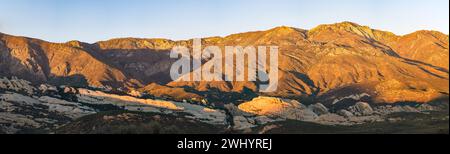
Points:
287	30
347	27
344	27
432	33
75	43
136	43
282	28
347	24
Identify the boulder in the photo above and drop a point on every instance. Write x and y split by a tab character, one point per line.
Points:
235	111
345	113
426	107
261	120
318	109
69	90
276	107
45	88
17	85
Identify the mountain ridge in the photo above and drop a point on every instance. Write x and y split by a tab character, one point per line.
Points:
313	62
281	26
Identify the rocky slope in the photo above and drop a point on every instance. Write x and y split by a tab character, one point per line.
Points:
330	64
343	59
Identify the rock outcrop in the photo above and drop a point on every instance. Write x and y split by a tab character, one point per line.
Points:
19	112
276	107
48	107
361	109
318	109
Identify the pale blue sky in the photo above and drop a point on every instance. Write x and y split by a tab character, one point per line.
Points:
95	20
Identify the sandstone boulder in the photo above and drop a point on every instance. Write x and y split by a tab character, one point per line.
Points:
345	113
276	107
17	85
361	109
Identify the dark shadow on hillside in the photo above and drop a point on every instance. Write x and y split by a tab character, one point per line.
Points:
218	97
121	59
39	71
305	78
341	94
135	63
76	80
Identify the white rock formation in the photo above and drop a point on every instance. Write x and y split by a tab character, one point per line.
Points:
361	109
318	109
148	105
31	112
17	85
355	97
276	107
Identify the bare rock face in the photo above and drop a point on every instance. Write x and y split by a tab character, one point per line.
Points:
335	62
235	111
241	122
261	120
19	112
69	90
330	57
17	85
331	119
427	107
20	57
244	120
276	107
404	108
175	93
131	103
318	109
361	109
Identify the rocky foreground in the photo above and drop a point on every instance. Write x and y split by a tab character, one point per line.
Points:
25	108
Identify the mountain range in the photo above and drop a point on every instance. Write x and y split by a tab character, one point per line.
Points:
322	64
